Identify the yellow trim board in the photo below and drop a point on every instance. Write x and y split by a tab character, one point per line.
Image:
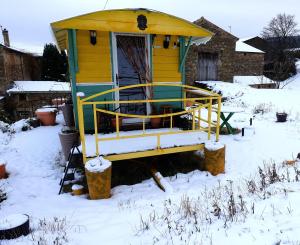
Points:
156	152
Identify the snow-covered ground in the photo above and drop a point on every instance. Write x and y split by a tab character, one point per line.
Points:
198	210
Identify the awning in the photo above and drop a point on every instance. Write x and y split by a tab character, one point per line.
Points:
142	21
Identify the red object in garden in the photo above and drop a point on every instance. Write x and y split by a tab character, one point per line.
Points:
47	116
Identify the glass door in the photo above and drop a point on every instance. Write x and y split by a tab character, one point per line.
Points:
131	68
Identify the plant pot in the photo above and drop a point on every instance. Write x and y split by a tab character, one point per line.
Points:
68	115
3	174
155	122
47	116
281	116
68	138
114	122
14	226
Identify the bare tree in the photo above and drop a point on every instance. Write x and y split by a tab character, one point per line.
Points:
281	26
279	33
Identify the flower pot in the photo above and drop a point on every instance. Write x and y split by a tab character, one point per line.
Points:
155	122
68	138
68	115
47	116
3	174
281	116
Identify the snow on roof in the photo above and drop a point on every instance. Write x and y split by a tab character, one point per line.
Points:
39	86
31	51
240	46
247	80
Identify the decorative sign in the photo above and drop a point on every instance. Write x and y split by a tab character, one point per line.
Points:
142	22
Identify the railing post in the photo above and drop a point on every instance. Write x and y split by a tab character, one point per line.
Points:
158	141
194	119
81	127
209	118
144	126
199	117
184	97
96	129
117	125
218	119
171	121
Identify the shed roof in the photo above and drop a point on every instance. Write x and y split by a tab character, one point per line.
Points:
240	46
39	87
125	20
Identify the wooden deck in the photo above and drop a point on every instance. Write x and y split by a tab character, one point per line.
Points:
144	146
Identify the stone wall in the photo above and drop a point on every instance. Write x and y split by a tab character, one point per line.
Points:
229	62
249	64
222	44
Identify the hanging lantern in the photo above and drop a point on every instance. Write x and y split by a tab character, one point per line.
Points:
93	37
167	41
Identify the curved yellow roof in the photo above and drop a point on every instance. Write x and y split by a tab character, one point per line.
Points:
125	20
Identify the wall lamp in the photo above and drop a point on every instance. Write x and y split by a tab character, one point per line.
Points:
167	41
93	37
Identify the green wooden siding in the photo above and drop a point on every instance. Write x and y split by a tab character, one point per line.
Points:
166	92
88	109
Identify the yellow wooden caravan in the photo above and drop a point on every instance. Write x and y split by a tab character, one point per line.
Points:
128	66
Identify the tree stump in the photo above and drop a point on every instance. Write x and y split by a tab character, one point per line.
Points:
98	176
214	158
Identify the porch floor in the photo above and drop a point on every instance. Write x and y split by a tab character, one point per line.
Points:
142	144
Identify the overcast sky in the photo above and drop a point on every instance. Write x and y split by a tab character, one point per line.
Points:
28	20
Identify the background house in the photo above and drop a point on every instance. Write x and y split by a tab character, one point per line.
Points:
26	96
222	57
16	64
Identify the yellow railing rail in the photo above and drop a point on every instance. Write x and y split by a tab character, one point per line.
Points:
194	114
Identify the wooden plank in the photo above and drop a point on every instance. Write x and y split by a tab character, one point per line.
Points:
156	152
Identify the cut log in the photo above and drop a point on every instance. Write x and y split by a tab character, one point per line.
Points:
160	181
